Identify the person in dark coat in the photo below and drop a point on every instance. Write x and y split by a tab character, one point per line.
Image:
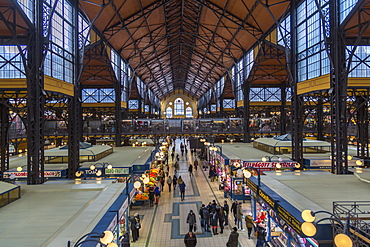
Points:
201	215
206	217
190	239
182	190
234	207
125	240
261	235
151	196
138	224
174	181
233	238
214	221
221	219
191	220
226	210
133	229
190	170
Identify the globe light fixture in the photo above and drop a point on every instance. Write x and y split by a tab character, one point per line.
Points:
349	157
308	216
98	173
109	167
108	237
92	167
359	162
78	174
342	240
247	173
278	165
19	169
309	229
137	184
264	159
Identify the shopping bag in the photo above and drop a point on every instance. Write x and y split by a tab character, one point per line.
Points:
195	227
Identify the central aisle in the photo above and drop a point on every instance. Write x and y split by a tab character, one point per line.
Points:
165	225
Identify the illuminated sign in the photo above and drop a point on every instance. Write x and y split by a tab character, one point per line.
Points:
252	185
266	198
47	174
289	219
117	171
268	165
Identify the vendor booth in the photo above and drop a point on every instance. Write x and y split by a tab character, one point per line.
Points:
281	220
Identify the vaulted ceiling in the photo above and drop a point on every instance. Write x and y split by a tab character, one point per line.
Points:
182	44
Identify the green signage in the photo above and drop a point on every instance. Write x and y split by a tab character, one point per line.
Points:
117	171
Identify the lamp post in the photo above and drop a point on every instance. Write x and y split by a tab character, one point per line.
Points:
104	239
309	227
248	174
269	158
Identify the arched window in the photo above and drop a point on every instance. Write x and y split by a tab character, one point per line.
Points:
169	112
189	112
179	106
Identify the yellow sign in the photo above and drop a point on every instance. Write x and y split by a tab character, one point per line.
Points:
252	185
289	219
266	198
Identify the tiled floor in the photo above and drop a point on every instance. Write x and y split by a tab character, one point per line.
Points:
165	224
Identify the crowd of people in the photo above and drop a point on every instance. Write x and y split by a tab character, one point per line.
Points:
214	217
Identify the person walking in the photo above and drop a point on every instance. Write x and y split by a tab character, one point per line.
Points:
191	220
169	183
190	239
182	189
233	210
221	219
226	210
233	238
172	155
249	224
161	180
239	216
166	170
179	181
196	165
174	181
261	235
190	170
157	194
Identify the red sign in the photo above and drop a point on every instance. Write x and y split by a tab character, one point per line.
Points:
47	174
266	166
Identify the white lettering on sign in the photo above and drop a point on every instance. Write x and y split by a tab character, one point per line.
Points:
47	174
269	165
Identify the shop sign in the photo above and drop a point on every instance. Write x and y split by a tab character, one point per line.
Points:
117	171
252	185
123	208
47	174
268	165
112	225
327	163
266	198
289	219
235	163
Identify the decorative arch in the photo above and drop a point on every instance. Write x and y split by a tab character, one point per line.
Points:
171	101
